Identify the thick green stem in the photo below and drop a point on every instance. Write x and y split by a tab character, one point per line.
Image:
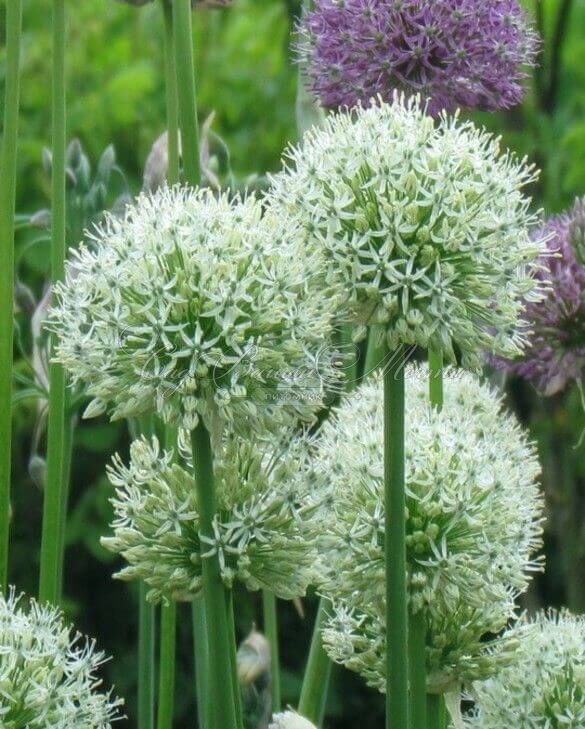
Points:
166	691
172	94
395	545
183	36
317	673
271	633
436	378
417	642
146	660
201	653
375	351
233	656
7	211
436	712
220	694
55	500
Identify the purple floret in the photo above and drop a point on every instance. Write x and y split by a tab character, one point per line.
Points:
455	53
555	355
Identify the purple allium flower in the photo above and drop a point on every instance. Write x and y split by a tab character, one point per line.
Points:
455	53
555	353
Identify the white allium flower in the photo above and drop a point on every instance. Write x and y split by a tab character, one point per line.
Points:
48	673
544	686
425	224
259	530
474	513
197	305
290	720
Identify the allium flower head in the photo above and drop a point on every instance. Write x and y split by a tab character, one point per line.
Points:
555	352
454	53
259	530
195	305
425	226
544	686
48	673
473	524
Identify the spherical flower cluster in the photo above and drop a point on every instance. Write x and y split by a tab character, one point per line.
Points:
259	529
48	673
544	686
474	514
555	353
455	53
195	305
426	226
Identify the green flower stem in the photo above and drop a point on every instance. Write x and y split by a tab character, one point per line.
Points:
168	637
436	378
183	37
7	210
271	633
69	439
375	351
54	511
179	34
201	653
395	545
317	673
166	692
220	694
424	711
417	643
172	93
146	660
146	617
233	657
436	712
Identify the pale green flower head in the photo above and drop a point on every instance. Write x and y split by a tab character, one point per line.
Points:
259	531
425	225
48	672
544	686
474	513
195	305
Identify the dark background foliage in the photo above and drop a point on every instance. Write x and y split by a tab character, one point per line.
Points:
247	81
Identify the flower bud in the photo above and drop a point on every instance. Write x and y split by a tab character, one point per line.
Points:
290	720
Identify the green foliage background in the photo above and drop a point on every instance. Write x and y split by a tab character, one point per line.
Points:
246	78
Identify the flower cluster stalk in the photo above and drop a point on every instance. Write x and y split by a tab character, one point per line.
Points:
166	693
201	654
395	545
221	689
271	633
436	712
231	622
168	628
146	660
429	710
417	634
317	673
172	94
55	501
7	209
168	612
185	72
